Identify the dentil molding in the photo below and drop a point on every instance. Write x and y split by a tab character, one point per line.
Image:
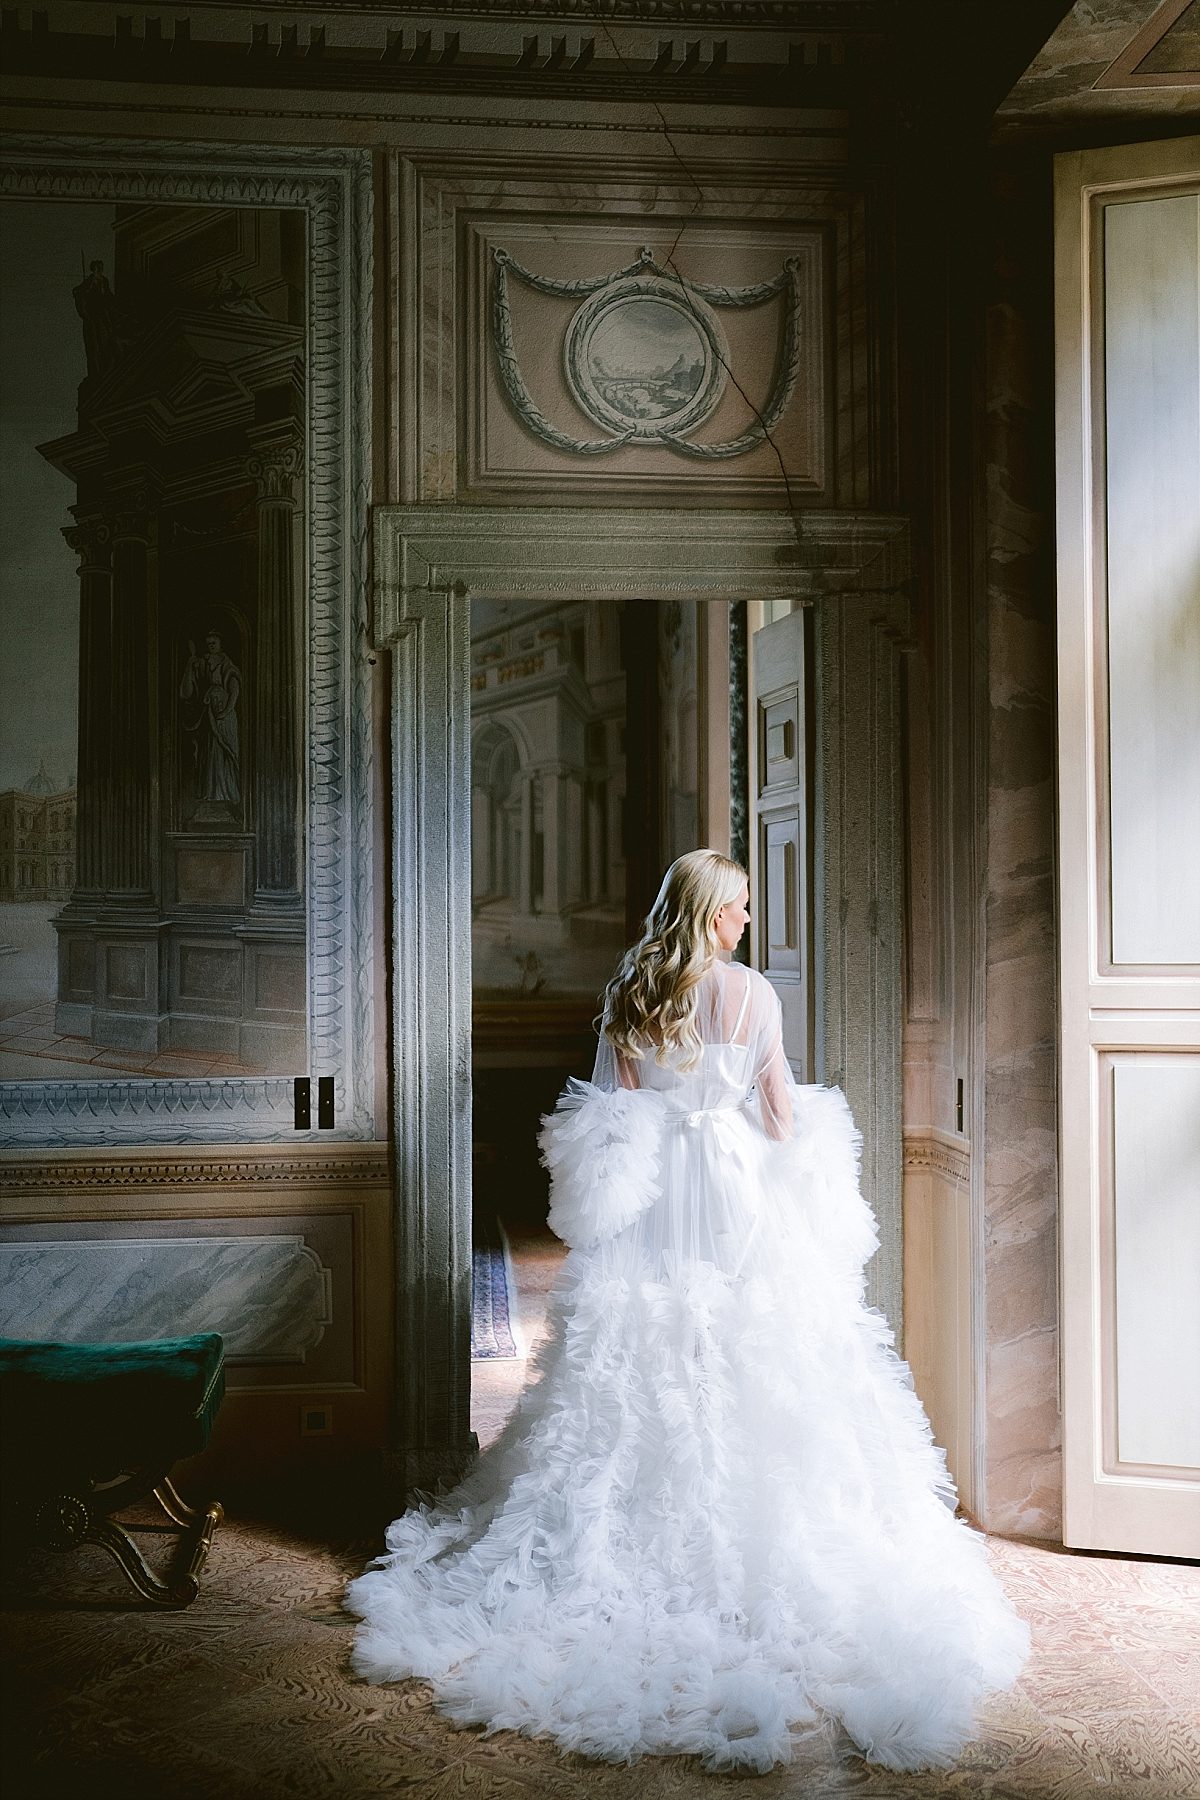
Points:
939	1154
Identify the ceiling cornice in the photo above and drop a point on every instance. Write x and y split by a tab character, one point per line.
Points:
775	53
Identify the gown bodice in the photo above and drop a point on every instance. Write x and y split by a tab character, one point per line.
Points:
721	1080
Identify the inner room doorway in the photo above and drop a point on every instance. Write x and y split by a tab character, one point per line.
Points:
588	764
431	563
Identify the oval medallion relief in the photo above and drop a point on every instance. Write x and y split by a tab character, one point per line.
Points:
647	357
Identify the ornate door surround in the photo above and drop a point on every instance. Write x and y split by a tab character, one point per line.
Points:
430	561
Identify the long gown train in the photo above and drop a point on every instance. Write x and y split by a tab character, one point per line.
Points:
717	1521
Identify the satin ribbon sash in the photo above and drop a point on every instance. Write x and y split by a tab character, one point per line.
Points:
719	1123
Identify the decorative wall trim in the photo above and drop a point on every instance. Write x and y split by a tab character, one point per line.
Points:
941	1154
1126	70
429	562
333	188
671	552
416	122
469	50
778	15
79	1173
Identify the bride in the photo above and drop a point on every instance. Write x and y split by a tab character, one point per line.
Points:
717	1523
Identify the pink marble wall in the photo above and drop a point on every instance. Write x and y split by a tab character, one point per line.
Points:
1021	1426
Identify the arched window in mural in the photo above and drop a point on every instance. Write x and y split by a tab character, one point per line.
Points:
499	850
547	781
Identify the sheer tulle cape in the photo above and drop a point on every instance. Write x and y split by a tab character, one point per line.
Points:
717	1520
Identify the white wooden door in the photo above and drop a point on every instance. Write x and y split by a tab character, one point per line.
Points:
780	858
1127	232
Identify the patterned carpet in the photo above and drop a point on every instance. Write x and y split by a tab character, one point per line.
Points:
493	1295
248	1695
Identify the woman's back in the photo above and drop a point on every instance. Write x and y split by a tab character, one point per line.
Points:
721	1075
737	1022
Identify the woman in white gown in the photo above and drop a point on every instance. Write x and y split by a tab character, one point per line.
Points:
718	1521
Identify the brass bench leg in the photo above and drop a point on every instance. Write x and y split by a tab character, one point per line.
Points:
168	1498
69	1519
116	1540
202	1521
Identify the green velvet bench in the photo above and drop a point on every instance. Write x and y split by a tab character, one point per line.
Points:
89	1428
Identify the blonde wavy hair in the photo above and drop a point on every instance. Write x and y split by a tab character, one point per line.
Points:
651	1000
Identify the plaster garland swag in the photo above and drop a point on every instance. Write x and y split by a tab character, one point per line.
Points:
669	422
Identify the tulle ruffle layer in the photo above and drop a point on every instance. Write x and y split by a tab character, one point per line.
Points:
717	1521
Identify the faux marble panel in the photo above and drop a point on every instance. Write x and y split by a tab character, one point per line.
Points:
1023	1472
1020	1426
270	1297
1093	66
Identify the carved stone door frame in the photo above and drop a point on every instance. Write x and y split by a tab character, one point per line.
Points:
430	561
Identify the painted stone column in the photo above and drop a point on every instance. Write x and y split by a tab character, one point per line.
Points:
275	468
595	840
126	850
553	874
484	825
91	539
573	878
525	872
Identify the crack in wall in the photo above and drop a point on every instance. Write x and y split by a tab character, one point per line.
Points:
670	263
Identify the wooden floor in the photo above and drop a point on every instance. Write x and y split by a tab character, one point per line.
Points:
248	1695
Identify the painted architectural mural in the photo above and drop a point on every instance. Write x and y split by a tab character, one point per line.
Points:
152	913
547	798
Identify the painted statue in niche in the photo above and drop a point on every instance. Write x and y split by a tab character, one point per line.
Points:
96	305
152	904
212	683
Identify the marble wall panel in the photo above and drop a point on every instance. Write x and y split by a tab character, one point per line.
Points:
269	1297
1020	1427
280	1289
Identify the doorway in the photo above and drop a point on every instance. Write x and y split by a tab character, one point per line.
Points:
587	759
432	564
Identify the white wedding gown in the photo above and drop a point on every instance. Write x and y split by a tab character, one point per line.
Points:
717	1521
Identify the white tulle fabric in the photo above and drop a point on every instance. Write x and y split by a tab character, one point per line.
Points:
717	1522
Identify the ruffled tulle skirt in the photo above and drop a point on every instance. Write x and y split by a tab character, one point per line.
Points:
717	1520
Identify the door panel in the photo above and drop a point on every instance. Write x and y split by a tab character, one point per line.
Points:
781	889
781	859
1151	253
1155	1314
1128	478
